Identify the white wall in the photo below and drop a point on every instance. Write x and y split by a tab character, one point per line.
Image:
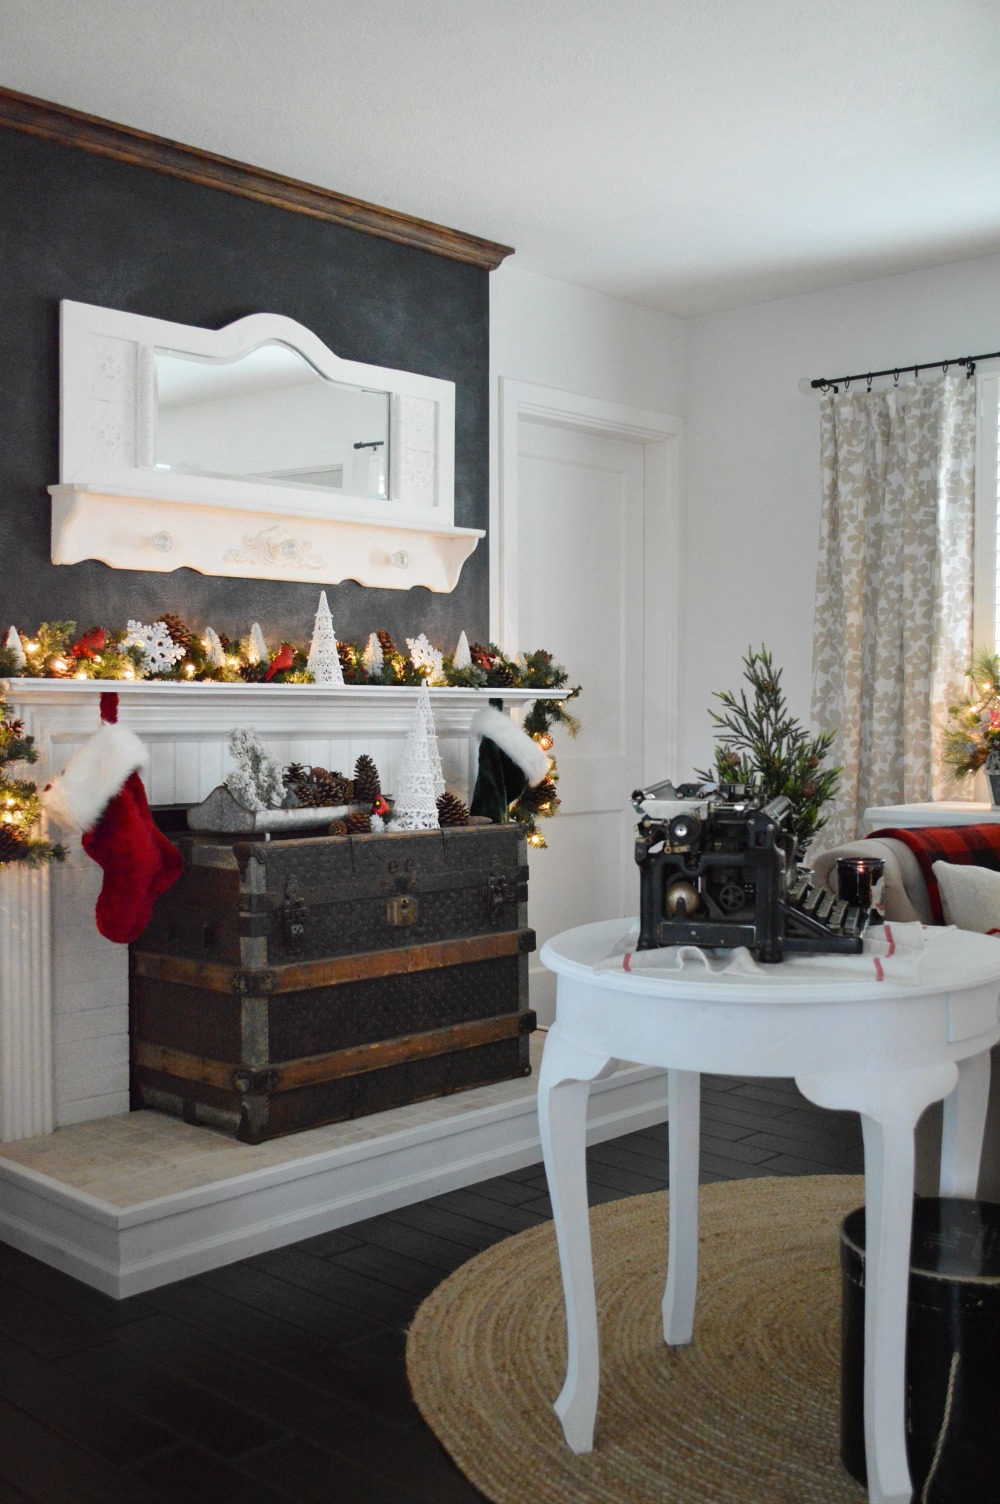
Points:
752	490
553	334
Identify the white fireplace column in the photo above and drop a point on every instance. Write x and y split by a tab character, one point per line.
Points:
64	1051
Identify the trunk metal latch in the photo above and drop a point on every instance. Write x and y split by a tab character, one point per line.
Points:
403	909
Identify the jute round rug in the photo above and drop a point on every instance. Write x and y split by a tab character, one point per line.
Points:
748	1413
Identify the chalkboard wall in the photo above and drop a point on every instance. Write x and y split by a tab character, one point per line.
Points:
83	227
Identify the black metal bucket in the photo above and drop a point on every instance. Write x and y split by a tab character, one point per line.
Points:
952	1355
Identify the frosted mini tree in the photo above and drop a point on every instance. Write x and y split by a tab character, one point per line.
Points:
324	660
256	781
257	647
463	657
373	658
421	781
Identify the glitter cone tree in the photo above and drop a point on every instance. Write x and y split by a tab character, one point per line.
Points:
324	659
421	781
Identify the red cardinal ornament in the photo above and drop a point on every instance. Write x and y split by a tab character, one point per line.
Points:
100	790
281	661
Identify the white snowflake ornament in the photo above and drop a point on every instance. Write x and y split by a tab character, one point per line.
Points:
424	656
463	657
159	650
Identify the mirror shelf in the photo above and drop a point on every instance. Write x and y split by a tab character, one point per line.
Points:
251	451
141	532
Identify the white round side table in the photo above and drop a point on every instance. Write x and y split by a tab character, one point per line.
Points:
884	1049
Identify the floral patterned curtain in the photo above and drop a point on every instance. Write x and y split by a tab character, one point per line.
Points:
893	632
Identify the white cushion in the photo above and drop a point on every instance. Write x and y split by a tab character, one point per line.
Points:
970	896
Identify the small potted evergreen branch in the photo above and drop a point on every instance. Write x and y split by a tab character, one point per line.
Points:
760	744
19	806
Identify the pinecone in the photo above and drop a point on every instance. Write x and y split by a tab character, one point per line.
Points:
295	774
501	675
12	847
330	788
451	811
367	784
358	823
389	648
179	630
337	828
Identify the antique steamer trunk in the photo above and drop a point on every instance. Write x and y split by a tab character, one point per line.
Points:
287	983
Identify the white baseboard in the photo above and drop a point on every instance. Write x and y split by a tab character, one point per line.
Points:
125	1250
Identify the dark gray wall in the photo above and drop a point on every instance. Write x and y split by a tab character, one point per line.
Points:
78	226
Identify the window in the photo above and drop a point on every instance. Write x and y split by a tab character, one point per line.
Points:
986	584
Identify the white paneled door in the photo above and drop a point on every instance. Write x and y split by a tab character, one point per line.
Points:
579	590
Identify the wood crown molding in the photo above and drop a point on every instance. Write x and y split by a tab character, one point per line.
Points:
105	138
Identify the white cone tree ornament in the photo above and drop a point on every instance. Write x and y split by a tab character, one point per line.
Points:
214	652
257	647
16	647
373	657
421	782
463	657
324	660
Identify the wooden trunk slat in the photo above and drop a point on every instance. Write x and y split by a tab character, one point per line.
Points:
338	1063
333	971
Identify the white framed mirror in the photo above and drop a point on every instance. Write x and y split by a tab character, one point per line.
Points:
253	451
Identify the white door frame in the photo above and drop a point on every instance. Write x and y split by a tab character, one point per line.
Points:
662	438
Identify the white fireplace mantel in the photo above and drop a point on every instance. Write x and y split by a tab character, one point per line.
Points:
63	988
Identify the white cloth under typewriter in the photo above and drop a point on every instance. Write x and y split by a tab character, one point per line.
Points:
891	953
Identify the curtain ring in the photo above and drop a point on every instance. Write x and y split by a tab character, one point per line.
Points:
970	368
869	380
895	377
944	367
847	384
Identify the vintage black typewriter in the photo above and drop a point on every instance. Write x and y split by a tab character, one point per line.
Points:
717	867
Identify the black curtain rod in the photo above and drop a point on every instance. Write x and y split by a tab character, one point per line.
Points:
826	383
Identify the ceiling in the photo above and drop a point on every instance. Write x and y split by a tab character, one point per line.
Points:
689	155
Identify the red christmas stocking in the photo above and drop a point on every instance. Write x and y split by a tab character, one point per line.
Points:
139	863
100	792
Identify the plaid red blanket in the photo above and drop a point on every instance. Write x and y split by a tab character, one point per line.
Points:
968	845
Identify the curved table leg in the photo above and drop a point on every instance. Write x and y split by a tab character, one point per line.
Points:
682	1235
563	1089
963	1126
890	1104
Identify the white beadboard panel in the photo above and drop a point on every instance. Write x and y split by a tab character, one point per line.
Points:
209	766
90	1023
161	780
187	780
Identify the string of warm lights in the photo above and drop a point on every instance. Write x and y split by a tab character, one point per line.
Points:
169	651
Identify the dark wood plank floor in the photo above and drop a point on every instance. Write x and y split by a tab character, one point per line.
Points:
282	1377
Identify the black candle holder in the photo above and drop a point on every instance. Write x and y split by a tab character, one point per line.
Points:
856	877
